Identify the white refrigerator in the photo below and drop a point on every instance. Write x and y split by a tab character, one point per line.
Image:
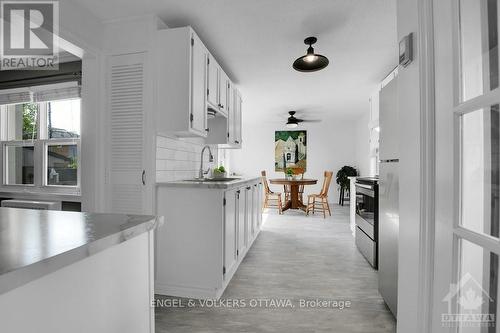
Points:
388	196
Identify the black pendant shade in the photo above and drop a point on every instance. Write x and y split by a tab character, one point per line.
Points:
310	62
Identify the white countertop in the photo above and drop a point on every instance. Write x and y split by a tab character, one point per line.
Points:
217	185
34	243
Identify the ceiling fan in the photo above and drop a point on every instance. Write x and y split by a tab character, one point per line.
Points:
293	122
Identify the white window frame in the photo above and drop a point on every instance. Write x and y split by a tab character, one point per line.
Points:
40	162
17	143
60	142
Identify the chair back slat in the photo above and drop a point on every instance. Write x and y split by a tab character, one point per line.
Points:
326	183
264	181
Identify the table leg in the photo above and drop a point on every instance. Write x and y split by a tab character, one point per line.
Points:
296	201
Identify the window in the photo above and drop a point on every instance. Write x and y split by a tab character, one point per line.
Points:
62	164
19	166
40	139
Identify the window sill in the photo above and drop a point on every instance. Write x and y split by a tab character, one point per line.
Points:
40	193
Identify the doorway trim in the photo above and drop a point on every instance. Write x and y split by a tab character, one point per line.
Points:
428	160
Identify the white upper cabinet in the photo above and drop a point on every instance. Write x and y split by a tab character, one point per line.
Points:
226	132
182	77
231	129
213	83
190	81
223	92
237	119
217	93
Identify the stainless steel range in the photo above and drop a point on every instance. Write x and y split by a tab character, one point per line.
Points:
367	218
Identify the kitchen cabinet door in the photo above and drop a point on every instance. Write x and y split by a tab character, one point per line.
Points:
254	210
242	243
257	206
180	83
230	229
249	213
231	137
198	117
237	119
261	202
213	82
223	92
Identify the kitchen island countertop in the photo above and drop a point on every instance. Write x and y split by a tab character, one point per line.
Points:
35	243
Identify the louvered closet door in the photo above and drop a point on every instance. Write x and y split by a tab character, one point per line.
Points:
127	176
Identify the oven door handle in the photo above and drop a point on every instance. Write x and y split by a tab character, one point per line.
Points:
369	187
365	191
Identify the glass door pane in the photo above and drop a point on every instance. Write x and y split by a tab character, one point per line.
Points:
479	171
479	47
476	293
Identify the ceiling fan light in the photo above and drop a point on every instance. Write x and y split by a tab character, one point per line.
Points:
291	125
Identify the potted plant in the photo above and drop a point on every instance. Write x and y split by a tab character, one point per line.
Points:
343	180
343	174
220	172
289	173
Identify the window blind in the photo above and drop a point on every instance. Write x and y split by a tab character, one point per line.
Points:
68	90
57	94
16	97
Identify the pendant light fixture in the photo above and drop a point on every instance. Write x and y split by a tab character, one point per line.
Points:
311	62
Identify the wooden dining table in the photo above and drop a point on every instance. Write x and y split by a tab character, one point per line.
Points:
294	202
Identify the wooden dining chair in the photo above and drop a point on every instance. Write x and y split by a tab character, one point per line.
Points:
320	201
270	196
287	189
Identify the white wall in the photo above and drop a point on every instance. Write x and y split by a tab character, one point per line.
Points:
330	145
362	141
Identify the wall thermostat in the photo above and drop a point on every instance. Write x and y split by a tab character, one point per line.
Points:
406	50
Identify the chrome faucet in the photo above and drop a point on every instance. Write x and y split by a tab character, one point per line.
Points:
202	173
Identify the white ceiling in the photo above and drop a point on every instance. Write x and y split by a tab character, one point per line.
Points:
256	42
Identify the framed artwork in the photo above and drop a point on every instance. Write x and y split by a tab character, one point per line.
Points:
290	150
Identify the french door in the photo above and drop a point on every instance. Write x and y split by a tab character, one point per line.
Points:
467	245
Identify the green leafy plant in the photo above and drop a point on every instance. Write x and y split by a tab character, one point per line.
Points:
343	174
73	164
220	169
289	171
30	111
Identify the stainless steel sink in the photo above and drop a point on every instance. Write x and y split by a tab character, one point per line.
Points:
211	180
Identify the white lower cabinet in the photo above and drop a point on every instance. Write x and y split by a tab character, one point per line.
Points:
242	233
230	229
208	233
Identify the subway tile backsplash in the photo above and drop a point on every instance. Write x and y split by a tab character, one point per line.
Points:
179	158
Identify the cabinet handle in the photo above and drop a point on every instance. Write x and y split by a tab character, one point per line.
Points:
207	130
143	177
236	141
249	188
